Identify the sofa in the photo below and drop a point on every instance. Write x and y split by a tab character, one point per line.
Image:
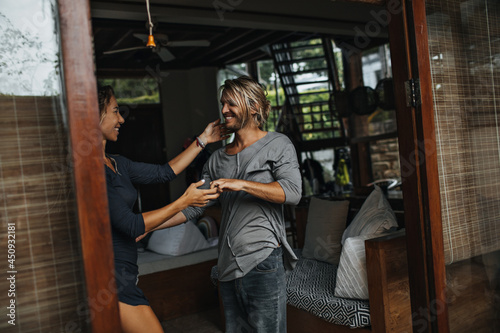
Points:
351	274
175	266
352	270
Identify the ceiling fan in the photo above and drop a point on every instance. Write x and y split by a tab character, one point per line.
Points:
159	45
163	42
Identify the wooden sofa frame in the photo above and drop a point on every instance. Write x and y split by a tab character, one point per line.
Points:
180	291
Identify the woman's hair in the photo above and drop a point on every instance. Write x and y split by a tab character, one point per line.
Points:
250	96
104	94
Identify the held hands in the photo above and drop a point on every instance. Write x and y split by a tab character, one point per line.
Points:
199	197
227	185
215	131
193	196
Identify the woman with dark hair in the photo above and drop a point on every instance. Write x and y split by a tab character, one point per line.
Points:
121	173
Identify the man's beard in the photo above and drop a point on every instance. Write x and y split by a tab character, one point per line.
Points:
236	125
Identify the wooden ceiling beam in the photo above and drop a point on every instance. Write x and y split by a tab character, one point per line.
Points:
326	22
253	41
222	42
249	48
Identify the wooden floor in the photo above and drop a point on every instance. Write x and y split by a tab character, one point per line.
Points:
202	322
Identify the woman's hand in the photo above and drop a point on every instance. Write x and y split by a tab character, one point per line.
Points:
215	131
199	197
141	237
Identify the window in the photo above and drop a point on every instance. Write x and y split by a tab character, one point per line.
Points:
377	131
134	91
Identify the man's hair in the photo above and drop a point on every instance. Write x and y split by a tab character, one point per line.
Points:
250	96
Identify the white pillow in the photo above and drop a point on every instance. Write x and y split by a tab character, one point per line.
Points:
352	281
178	240
326	222
374	218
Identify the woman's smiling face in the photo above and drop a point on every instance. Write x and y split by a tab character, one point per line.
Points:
111	121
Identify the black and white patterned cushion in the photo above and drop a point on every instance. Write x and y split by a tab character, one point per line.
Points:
310	287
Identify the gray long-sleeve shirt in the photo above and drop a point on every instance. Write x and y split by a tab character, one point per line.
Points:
251	227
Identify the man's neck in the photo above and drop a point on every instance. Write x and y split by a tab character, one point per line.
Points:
245	137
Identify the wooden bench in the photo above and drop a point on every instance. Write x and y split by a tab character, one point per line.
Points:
388	285
388	288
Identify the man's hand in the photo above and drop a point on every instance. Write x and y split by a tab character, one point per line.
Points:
227	185
272	192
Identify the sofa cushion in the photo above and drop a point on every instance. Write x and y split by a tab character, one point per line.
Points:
352	281
178	240
374	218
310	287
326	222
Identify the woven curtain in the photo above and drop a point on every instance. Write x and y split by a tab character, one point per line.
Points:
38	200
42	283
464	46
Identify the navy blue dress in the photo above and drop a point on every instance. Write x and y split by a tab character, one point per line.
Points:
126	226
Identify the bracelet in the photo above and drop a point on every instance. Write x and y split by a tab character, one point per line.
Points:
200	143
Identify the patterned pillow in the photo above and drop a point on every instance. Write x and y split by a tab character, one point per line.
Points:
326	222
208	227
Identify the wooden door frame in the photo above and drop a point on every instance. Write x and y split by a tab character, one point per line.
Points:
419	167
88	171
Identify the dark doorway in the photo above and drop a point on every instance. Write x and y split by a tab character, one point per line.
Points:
142	140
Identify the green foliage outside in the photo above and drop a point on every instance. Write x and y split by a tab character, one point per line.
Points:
134	91
152	99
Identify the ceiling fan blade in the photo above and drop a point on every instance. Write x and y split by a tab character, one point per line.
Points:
201	42
124	50
142	37
165	54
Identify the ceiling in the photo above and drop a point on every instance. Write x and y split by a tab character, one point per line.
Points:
237	30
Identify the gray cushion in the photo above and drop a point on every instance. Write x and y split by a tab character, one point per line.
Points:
326	222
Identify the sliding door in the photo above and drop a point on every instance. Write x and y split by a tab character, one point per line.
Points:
464	56
448	53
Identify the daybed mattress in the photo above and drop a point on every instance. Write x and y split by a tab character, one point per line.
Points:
150	262
311	286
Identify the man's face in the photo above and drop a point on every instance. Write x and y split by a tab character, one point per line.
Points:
231	112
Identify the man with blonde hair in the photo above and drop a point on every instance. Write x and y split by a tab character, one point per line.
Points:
256	174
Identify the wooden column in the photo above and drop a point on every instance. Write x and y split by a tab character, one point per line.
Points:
89	176
360	151
432	229
410	59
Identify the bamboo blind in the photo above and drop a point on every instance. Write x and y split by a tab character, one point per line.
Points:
37	198
464	46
